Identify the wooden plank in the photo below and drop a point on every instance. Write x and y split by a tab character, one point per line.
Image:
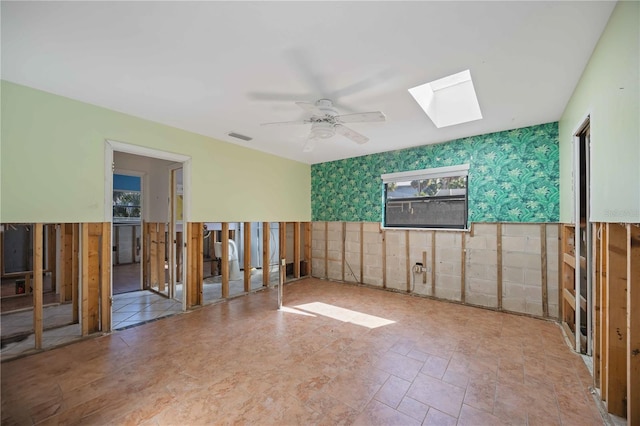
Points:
603	312
407	257
633	324
308	241
37	283
266	267
543	270
384	258
194	281
95	234
247	256
617	321
179	248
75	273
153	255
224	262
146	258
84	282
569	298
296	249
463	264
343	247
595	278
161	261
66	250
283	247
361	252
105	278
51	255
433	263
560	272
134	246
499	262
326	249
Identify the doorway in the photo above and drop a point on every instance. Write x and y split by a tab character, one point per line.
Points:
583	239
126	231
152	250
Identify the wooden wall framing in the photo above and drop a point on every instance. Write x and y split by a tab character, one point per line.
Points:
616	330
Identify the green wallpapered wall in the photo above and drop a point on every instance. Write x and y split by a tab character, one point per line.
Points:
513	177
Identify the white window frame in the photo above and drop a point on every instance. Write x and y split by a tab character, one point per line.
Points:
424	174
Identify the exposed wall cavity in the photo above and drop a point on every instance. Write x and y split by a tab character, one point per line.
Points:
504	266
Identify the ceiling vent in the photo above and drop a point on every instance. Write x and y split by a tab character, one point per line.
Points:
239	136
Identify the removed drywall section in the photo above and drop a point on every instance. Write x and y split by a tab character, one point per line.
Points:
497	265
482	266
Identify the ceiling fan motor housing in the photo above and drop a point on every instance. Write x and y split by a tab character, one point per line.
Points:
322	129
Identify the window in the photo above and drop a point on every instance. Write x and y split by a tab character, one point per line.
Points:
126	206
431	198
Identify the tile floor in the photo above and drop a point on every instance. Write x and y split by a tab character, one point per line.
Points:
337	354
141	306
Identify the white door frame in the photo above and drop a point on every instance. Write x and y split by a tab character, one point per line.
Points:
109	147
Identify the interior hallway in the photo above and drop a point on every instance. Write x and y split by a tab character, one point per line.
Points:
339	354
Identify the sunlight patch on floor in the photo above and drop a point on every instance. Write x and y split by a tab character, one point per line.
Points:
295	311
345	315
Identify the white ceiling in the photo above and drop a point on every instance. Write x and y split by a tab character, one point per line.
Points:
208	67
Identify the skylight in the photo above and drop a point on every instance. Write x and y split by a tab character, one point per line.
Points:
450	100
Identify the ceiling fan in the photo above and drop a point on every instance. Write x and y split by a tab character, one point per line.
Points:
326	122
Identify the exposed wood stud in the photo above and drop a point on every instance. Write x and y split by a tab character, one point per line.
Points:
51	255
224	262
560	274
326	249
94	275
37	284
543	270
75	272
499	261
308	242
433	263
296	249
105	278
603	311
194	266
633	324
384	258
160	263
361	252
266	267
617	309
247	256
407	247
463	264
283	248
595	278
85	279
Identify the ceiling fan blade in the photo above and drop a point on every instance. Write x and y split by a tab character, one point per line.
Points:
278	97
310	107
309	145
361	117
286	123
351	134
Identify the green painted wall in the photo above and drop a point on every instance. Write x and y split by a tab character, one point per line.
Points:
52	165
608	91
513	177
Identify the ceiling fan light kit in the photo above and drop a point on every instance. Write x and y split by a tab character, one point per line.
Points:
326	122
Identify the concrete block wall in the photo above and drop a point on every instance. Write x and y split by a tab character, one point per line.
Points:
463	260
481	287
